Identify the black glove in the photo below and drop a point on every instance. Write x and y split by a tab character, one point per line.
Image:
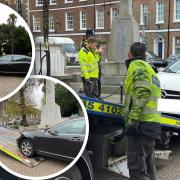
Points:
132	128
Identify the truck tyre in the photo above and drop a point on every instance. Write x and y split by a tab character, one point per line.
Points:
73	174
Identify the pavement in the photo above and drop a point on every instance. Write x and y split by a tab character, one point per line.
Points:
166	170
9	84
46	168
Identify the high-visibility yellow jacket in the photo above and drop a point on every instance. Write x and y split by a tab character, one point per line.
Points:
142	90
89	63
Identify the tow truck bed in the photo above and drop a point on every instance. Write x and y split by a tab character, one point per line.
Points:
104	110
8	145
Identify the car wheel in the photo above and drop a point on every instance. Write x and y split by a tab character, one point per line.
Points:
73	174
27	148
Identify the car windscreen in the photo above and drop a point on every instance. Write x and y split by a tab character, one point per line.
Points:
173	68
14	58
75	126
69	48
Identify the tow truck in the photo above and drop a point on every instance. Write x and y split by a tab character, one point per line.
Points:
106	147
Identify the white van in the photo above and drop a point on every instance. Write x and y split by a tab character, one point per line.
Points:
67	43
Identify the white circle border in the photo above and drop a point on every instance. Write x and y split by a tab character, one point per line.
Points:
32	58
84	143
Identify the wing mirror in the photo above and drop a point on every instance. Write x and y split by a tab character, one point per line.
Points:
54	133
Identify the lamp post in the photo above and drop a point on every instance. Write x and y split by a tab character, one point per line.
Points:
46	34
46	19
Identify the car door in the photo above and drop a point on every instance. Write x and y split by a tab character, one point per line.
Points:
46	142
69	138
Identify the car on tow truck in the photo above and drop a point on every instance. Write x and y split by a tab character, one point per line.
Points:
64	141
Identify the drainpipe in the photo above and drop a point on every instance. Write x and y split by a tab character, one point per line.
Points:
94	17
169	21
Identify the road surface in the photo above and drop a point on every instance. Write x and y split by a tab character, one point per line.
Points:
9	84
166	170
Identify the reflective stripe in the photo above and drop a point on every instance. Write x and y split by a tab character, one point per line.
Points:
168	121
83	64
92	70
142	84
84	71
89	65
151	111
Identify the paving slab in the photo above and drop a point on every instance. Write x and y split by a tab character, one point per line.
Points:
9	84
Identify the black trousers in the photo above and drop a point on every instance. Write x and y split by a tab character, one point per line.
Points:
141	160
91	89
99	81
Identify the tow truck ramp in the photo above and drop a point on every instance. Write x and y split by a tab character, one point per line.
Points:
8	146
119	165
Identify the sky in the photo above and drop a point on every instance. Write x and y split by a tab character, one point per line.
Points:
4	14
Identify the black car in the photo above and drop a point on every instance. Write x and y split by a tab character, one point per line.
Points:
154	60
63	141
15	64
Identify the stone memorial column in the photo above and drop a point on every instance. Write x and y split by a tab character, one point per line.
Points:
123	33
51	113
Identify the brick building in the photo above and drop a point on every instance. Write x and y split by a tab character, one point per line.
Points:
160	20
70	18
21	6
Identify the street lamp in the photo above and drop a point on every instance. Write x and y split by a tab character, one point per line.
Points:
46	34
46	19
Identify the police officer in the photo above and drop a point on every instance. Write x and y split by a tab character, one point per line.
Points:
89	33
89	68
142	90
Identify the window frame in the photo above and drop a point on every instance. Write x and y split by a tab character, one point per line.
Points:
50	18
97	27
34	29
39	5
111	18
157	13
82	28
142	13
67	2
175	14
66	22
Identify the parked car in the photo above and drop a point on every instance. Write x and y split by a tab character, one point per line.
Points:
68	44
63	141
14	64
154	60
173	58
170	81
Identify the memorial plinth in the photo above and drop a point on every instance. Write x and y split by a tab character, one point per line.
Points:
50	113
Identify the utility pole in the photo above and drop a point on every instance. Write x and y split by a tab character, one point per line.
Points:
169	22
46	34
94	17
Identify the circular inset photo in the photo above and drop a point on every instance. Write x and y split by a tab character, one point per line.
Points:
17	52
43	129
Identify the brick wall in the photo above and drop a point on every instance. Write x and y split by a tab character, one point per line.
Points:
25	5
161	30
58	12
